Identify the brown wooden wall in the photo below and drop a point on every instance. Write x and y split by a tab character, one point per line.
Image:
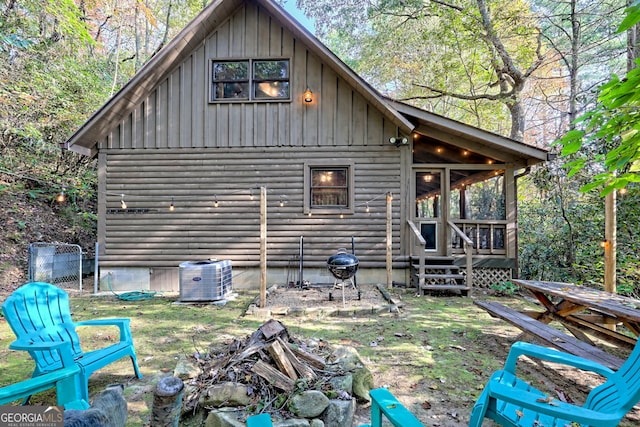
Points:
147	233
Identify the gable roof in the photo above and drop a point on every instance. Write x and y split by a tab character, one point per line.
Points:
475	139
85	139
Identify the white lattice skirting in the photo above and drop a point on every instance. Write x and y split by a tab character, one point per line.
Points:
486	277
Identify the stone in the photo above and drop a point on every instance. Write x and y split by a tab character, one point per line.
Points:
294	422
316	422
226	394
108	409
343	383
346	358
309	404
186	370
340	413
362	383
224	417
190	390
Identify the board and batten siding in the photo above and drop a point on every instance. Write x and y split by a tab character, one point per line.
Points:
147	233
177	114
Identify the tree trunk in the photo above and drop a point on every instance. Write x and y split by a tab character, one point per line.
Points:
167	402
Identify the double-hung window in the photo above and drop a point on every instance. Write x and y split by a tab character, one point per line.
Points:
250	79
329	189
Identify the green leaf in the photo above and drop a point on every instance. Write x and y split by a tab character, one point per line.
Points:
588	187
632	18
571	142
575	166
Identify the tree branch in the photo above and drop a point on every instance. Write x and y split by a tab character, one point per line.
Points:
439	93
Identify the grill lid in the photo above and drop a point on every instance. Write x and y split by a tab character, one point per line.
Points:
342	264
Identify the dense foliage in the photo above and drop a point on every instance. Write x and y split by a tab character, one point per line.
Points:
608	135
63	59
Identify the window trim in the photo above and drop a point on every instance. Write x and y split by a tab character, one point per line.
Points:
252	81
349	209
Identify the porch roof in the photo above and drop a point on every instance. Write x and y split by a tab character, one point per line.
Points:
456	133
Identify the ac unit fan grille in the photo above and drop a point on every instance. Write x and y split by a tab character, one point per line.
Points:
205	280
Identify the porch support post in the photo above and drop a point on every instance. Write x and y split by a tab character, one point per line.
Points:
468	248
610	244
389	241
263	247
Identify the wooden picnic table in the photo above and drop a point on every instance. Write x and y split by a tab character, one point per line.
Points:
582	309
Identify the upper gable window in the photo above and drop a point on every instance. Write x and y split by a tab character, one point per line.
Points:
250	80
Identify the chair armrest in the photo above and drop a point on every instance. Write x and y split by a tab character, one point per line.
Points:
555	408
552	355
121	323
115	321
63	348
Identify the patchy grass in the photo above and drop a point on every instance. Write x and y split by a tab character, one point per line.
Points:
435	354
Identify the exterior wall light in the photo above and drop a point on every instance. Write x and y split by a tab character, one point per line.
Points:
61	197
308	95
398	141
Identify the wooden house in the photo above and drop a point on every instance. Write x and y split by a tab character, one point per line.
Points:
245	99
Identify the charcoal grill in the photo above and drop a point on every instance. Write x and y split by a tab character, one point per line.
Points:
342	265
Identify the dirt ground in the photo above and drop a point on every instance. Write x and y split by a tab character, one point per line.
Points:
326	299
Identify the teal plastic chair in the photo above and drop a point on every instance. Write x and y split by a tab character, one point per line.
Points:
511	401
260	420
384	403
65	381
39	313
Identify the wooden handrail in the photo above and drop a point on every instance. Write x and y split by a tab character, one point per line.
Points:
460	233
423	244
468	250
417	233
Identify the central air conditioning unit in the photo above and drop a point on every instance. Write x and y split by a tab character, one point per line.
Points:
205	280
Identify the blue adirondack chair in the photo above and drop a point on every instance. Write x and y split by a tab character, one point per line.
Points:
260	420
510	401
65	381
39	313
383	402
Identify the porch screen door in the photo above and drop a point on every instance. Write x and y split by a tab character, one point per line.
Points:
429	204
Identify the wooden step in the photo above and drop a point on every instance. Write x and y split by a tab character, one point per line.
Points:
441	276
444	287
438	267
440	258
463	289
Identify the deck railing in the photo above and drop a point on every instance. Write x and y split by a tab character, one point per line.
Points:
468	250
421	244
488	236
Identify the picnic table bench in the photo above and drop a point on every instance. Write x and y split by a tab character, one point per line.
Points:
550	335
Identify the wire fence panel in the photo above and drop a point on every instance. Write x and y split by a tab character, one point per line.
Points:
56	263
